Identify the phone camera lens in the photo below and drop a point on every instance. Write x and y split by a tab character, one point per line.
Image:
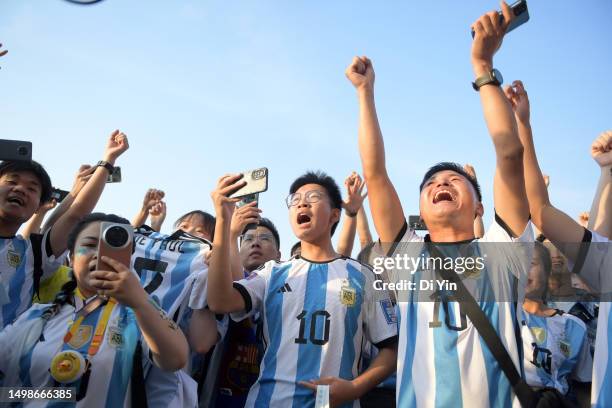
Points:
22	150
116	236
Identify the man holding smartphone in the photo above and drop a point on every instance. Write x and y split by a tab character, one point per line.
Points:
442	359
317	308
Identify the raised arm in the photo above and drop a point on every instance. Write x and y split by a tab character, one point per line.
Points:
352	205
557	226
363	229
478	224
158	215
600	219
221	295
243	216
87	199
384	202
83	175
151	198
35	221
509	184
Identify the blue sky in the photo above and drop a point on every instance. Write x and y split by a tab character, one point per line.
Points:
203	88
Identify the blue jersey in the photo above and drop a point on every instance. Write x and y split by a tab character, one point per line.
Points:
555	350
316	317
17	274
168	266
111	367
442	360
594	265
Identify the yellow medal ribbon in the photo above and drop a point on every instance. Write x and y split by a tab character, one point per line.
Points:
69	365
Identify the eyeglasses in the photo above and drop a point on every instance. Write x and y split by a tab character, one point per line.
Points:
264	238
311	196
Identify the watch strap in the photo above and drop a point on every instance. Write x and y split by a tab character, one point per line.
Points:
106	165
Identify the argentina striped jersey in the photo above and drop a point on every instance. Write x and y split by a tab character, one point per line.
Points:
316	317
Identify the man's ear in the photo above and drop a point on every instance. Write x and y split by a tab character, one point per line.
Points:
278	255
479	210
335	215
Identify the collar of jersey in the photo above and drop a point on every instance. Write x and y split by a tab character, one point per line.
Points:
465	241
319	262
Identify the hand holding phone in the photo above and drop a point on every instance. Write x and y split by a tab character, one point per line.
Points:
521	14
116	241
256	182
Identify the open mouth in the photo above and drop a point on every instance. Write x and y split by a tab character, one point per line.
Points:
303	218
256	253
443	195
16	200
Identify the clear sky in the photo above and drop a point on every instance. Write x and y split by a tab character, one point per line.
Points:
203	88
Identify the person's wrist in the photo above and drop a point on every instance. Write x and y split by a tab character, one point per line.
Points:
350	212
365	90
481	66
109	158
140	300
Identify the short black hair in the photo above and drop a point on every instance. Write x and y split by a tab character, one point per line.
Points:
295	248
35	168
457	168
208	221
325	181
266	223
88	219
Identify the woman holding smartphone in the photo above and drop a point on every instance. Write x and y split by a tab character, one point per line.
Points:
96	335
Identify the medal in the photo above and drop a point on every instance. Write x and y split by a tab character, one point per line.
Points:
67	366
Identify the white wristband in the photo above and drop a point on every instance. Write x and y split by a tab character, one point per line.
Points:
322	398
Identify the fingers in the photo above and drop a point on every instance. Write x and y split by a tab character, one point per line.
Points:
310	385
103	275
508	15
116	265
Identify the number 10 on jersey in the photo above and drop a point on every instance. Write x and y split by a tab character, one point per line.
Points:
318	317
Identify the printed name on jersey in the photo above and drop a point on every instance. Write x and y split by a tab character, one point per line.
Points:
388	311
539	333
81	337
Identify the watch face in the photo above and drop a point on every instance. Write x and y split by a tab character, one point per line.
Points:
498	76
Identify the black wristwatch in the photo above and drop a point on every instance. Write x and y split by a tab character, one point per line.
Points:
106	165
492	77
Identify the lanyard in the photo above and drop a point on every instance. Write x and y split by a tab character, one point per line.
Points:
100	326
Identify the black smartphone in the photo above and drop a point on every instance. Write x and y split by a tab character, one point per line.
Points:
115	176
58	195
520	11
256	182
15	150
416	223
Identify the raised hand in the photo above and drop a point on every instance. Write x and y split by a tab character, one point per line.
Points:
601	149
80	179
117	144
361	73
158	215
243	216
226	185
469	169
354	188
519	100
151	199
489	34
